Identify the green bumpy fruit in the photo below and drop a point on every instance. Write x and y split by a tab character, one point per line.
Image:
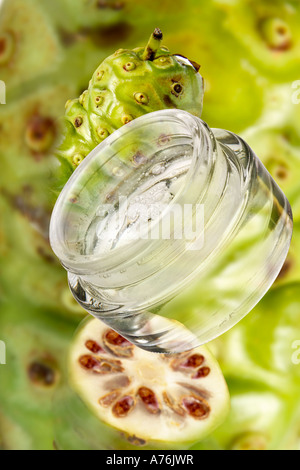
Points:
260	419
91	13
36	343
269	30
127	85
269	354
20	60
260	360
281	157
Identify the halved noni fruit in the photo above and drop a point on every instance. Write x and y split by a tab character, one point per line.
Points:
151	399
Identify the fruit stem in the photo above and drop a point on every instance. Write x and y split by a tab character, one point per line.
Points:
153	45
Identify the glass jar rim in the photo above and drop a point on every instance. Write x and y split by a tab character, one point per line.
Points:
203	144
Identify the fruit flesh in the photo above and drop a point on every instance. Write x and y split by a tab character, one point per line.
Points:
180	397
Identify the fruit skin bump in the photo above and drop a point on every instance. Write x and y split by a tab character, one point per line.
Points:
122	397
127	85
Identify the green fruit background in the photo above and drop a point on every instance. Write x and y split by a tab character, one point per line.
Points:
249	51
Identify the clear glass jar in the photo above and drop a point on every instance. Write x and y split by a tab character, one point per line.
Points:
171	231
